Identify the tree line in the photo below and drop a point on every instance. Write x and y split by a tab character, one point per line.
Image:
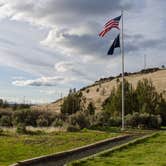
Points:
144	108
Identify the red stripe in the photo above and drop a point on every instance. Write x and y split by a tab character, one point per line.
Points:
108	26
102	33
112	24
111	21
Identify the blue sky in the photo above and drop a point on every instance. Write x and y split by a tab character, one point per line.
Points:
49	46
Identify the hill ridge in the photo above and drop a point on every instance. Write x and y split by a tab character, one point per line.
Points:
101	89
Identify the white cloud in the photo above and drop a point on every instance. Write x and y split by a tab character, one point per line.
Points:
49	92
43	81
63	66
74	50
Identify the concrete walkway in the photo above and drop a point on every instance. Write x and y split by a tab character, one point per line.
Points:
62	158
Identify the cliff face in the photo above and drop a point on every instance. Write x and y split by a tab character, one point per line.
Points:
99	91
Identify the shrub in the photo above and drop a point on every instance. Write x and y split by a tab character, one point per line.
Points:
1	131
87	91
97	90
42	121
132	120
5	121
21	129
28	117
154	122
115	121
91	109
31	117
85	130
73	128
101	119
143	121
81	119
57	123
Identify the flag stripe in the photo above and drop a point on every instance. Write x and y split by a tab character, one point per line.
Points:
113	23
102	33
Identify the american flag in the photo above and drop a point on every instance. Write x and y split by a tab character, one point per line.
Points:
113	23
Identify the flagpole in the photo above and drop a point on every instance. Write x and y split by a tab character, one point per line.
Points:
122	54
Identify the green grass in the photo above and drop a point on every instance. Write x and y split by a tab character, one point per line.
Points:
150	152
15	147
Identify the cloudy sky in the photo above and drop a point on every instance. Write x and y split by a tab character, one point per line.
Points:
49	46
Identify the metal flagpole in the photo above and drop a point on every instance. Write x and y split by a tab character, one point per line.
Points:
144	61
122	54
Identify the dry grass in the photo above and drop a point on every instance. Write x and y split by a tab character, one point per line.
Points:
35	129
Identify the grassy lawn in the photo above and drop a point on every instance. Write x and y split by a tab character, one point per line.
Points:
151	152
15	147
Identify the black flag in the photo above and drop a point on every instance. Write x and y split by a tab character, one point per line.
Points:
115	44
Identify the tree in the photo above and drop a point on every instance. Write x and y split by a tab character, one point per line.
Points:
161	110
163	66
5	104
113	104
144	99
1	102
72	103
147	96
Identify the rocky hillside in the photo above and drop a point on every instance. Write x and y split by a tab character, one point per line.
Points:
101	89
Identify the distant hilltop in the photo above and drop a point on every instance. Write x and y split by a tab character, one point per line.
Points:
102	88
102	80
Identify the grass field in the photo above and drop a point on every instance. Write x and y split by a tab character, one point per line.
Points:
151	152
14	147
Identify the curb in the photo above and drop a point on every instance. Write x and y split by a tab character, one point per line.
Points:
120	147
60	155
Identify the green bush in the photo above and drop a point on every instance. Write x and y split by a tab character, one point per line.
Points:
5	121
28	117
132	120
73	128
57	123
33	117
42	121
115	122
143	121
87	91
1	131
97	90
91	109
101	119
81	119
154	121
21	129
